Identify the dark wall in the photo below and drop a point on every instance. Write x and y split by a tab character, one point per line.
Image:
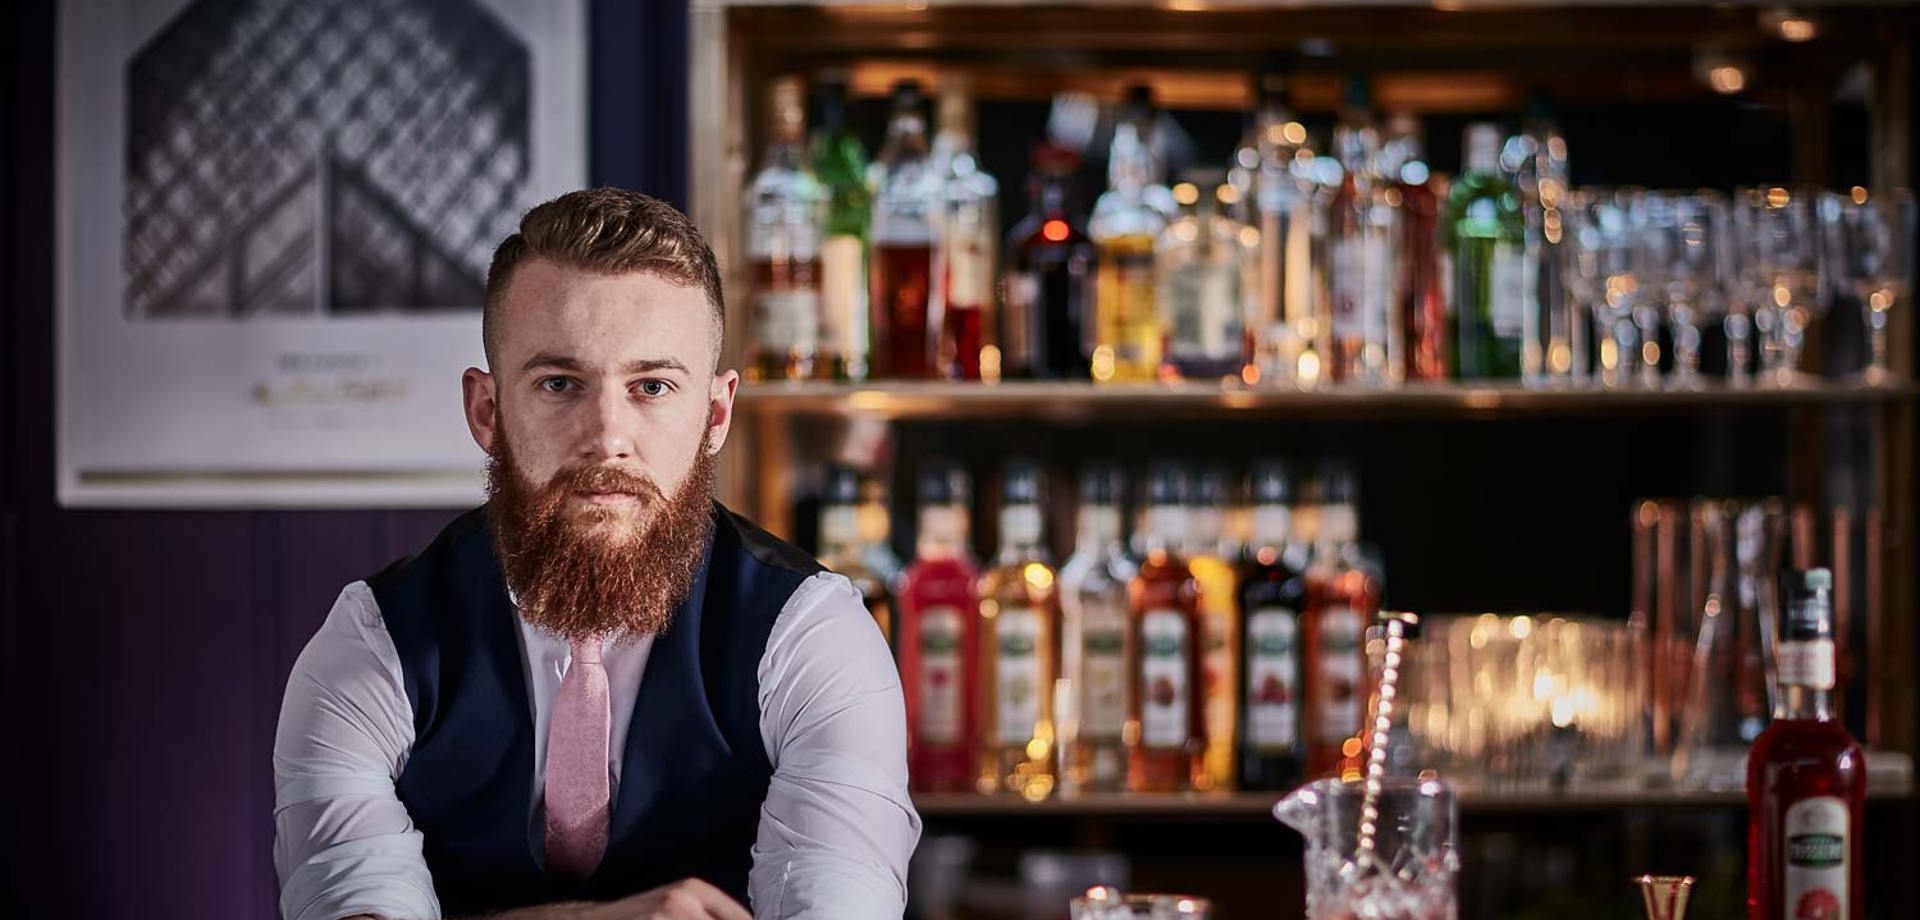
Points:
143	653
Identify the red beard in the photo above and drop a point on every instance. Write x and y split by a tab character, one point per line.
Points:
585	575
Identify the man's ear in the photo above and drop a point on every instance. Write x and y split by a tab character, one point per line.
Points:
477	391
720	408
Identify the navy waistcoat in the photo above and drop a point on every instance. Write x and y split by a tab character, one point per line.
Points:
694	772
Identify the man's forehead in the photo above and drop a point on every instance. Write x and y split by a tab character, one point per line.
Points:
598	317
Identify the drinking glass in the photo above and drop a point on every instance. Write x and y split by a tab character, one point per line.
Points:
1601	272
1683	249
1786	253
1749	297
1105	902
1870	254
1390	854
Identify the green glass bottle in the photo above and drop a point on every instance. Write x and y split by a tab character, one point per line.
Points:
1486	233
841	165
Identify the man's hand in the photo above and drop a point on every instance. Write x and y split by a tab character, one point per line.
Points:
687	899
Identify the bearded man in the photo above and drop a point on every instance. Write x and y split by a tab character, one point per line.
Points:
602	695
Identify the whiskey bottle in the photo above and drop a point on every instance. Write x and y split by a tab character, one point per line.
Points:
968	231
1166	725
1019	654
786	207
1125	226
1096	635
906	210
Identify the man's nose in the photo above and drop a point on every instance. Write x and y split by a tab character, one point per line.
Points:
609	427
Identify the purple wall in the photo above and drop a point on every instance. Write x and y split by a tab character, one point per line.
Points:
143	654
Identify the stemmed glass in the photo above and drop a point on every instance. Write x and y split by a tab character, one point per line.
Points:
1870	255
1785	251
1749	296
1683	251
1600	227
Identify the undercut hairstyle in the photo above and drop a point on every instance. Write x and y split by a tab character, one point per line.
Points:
608	230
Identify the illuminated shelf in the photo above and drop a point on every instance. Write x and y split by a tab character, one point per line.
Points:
1260	804
1076	400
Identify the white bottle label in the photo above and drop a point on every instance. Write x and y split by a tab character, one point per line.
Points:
1103	707
843	296
1817	849
787	320
1273	679
1349	267
1807	663
941	683
1203	304
1165	679
1340	667
1016	677
1508	291
969	268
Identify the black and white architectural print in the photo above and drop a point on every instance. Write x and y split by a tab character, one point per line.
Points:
276	218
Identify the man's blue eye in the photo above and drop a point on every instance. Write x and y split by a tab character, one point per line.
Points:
554	384
653	387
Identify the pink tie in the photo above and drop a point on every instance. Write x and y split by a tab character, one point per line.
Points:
576	787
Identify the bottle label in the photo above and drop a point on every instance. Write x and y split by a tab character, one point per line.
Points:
787	320
969	268
1340	667
1817	850
843	296
1020	525
1507	292
1020	293
1203	305
1103	707
839	526
1165	684
940	677
1349	267
1273	679
1806	663
1016	678
1272	524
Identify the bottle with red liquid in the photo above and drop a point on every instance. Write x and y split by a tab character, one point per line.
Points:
938	638
1419	290
1166	730
1343	594
968	230
1806	777
905	210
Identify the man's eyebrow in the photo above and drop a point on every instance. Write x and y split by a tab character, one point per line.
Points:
637	366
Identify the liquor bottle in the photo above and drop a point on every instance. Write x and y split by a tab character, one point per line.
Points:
967	234
939	638
785	213
1019	654
1166	725
1096	636
1281	320
1049	282
841	164
905	212
1124	227
1553	345
845	543
1806	777
1273	594
1360	223
1203	260
1343	593
1484	231
1419	282
1213	560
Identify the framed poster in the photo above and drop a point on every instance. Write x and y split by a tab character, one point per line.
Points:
275	219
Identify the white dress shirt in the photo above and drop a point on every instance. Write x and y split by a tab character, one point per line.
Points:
836	829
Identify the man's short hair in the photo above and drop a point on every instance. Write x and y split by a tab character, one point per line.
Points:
609	230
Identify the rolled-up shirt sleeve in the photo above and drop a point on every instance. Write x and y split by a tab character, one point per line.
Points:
343	842
838	827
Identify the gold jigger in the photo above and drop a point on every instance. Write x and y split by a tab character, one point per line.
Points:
1666	895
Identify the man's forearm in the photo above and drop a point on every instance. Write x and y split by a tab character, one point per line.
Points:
571	910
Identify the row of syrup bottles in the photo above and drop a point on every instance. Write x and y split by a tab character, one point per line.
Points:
1183	659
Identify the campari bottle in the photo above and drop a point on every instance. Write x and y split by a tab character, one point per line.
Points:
1806	777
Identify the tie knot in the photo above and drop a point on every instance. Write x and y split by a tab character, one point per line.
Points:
586	651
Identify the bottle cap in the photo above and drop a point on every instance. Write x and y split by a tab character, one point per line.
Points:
1338	483
1807	596
1271	482
943	482
1102	484
907	93
1020	482
1167	483
842	486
